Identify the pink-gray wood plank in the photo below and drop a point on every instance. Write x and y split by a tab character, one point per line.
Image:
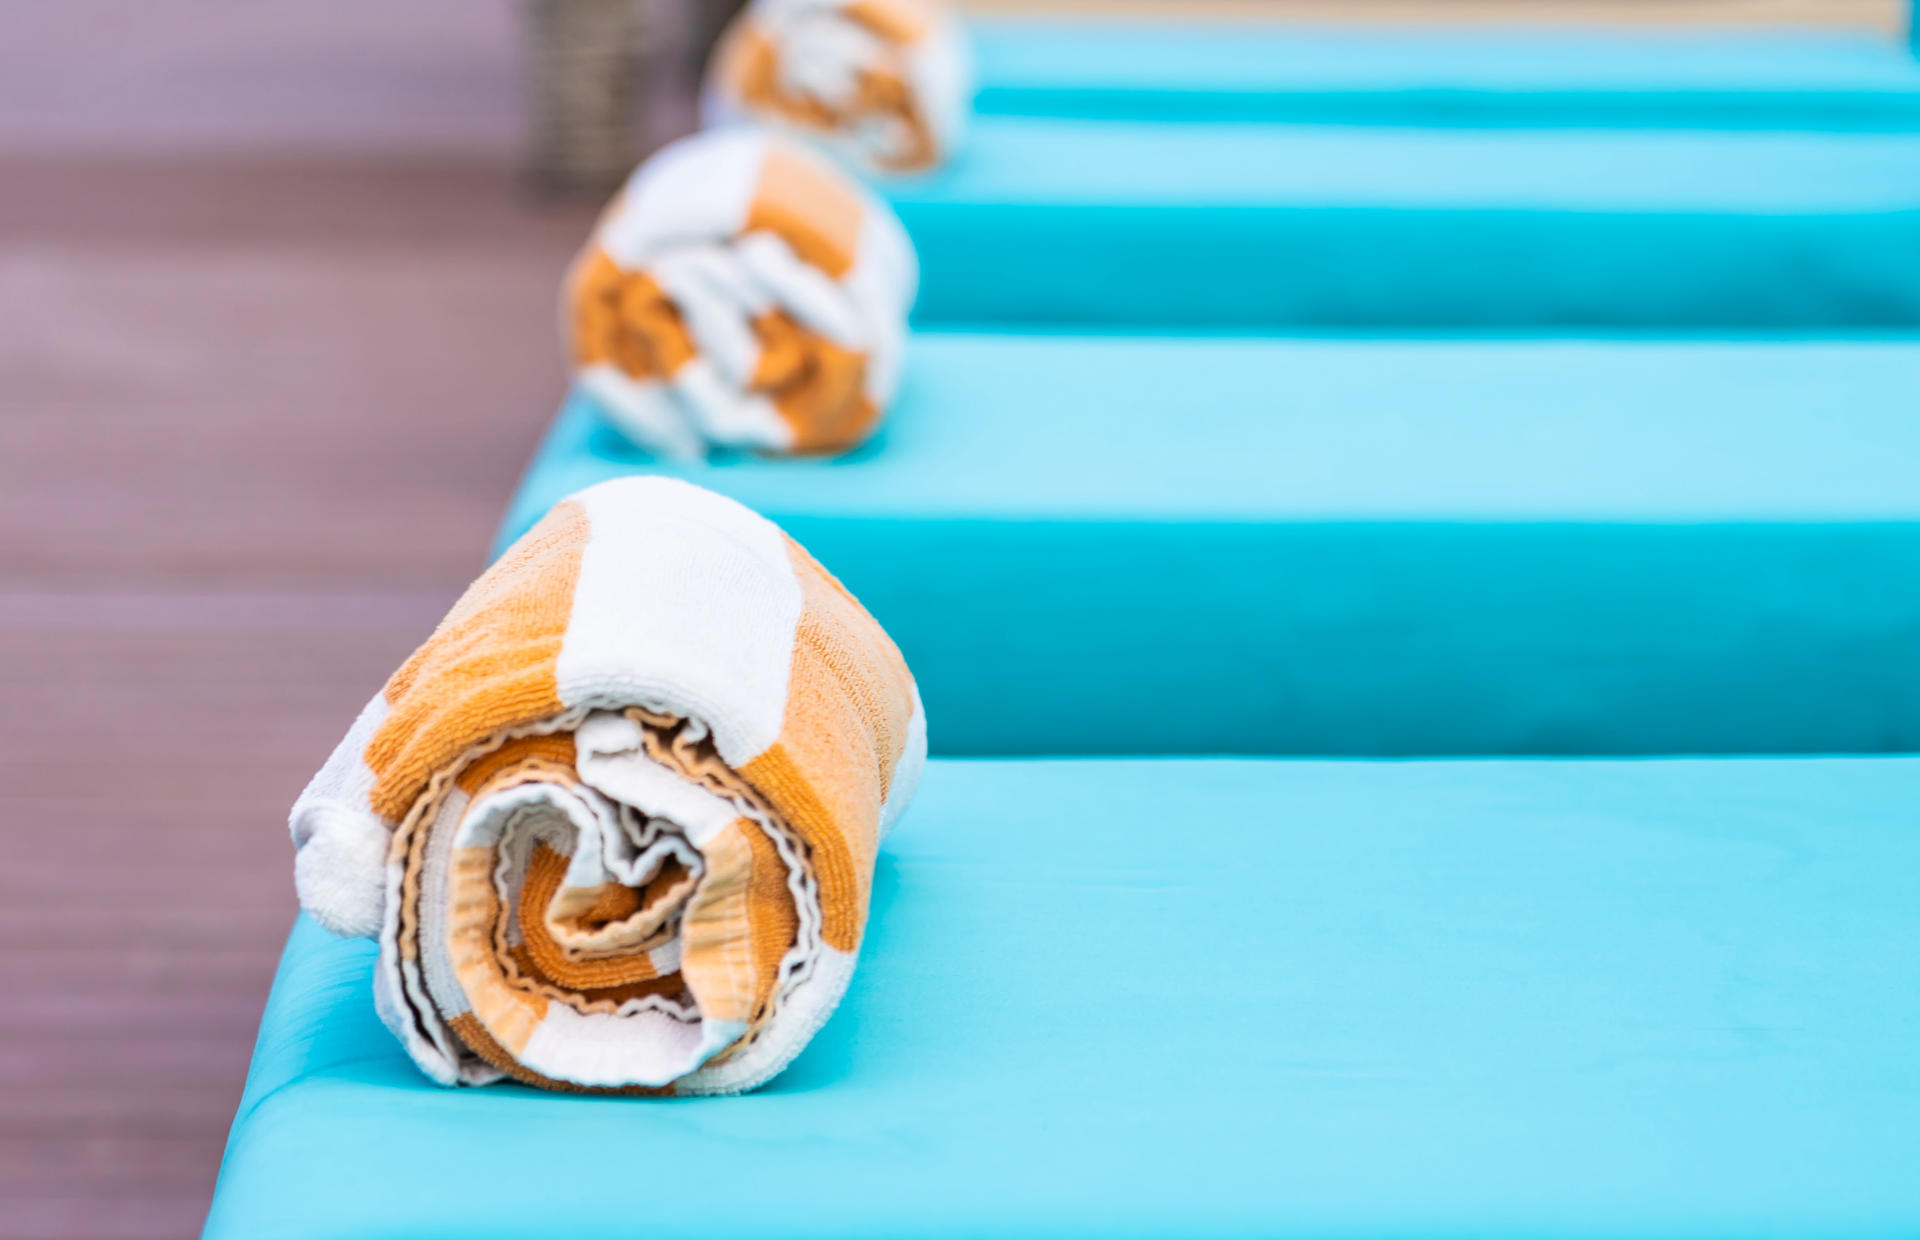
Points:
258	417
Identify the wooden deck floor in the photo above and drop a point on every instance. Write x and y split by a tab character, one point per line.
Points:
256	424
276	334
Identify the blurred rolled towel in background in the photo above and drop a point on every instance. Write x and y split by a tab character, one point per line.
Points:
886	84
742	293
614	824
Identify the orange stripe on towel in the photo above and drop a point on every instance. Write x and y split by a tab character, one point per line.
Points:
488	666
849	703
901	21
805	203
817	387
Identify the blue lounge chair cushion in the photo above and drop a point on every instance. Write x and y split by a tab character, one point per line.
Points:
1658	999
1065	222
1118	545
1807	78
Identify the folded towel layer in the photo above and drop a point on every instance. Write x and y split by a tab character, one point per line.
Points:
740	292
885	84
615	822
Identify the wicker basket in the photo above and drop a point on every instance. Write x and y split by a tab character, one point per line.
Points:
595	67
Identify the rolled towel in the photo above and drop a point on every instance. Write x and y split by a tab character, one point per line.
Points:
885	84
614	824
741	292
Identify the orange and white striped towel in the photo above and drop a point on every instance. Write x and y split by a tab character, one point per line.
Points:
885	84
614	824
741	292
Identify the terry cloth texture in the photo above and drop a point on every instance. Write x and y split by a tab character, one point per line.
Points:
884	84
615	823
741	292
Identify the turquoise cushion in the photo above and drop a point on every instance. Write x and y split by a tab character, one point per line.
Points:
1052	222
1185	999
1806	78
1371	547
